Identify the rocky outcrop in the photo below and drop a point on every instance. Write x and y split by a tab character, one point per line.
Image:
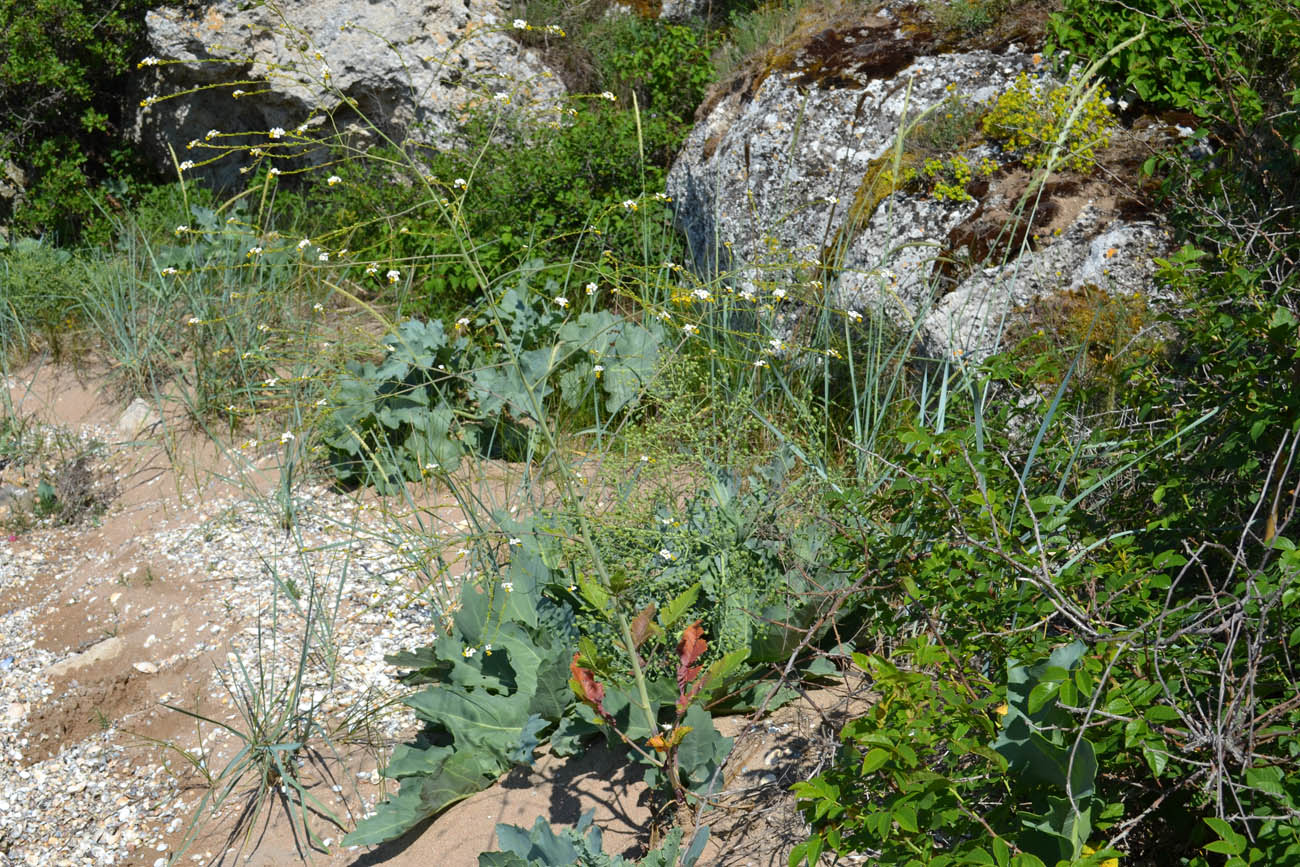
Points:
787	180
315	68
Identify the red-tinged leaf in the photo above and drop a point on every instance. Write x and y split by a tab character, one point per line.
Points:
592	692
689	650
643	626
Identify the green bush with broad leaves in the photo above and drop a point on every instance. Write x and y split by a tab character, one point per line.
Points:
438	394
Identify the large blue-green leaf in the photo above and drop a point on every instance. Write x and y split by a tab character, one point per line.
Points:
477	720
459	776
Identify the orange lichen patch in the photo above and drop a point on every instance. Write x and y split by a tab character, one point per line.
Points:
647	8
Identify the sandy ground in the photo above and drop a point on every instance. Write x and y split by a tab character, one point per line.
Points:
160	599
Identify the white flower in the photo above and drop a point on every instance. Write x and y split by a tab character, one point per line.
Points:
287	437
323	257
561	301
666	554
690	329
305	242
775	345
169	271
607	95
487	649
630	204
393	275
333	179
318	307
254	251
211	134
832	200
515	540
460	182
236	94
645	459
469	652
276	132
854	315
263	327
507	586
150	61
274	172
372	268
300	129
462	322
194	320
591	288
190	145
778	294
271	383
324	70
181	230
501	96
702	294
760	363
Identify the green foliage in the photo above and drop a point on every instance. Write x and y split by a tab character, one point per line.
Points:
949	178
62	82
666	65
581	845
436	396
1005	553
1031	118
720	548
1196	56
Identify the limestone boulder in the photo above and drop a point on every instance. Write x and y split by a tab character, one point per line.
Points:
784	181
221	77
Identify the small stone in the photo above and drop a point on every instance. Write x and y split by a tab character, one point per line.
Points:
145	667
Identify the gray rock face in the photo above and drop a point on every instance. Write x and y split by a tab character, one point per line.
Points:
770	188
316	67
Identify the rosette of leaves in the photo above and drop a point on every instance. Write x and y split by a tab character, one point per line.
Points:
496	680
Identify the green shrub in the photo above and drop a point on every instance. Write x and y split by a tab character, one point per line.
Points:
667	66
1196	55
62	83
